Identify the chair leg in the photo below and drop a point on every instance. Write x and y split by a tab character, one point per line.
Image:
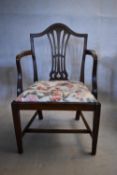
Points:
40	115
17	127
96	120
77	115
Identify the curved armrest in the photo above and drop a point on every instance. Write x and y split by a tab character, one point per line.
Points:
23	54
19	69
93	54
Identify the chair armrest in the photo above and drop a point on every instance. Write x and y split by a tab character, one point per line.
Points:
23	54
93	54
19	69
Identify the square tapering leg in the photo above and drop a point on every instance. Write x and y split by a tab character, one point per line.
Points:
96	121
17	126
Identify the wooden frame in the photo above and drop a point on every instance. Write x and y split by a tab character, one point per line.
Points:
57	73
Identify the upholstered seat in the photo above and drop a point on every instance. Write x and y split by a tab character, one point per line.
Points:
59	91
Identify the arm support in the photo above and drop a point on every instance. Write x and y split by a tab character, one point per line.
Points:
19	69
93	54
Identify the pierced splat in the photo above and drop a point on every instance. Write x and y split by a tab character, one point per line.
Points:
58	40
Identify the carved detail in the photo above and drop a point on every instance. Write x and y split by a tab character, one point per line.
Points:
58	35
58	41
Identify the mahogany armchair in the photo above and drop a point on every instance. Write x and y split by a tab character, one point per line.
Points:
59	92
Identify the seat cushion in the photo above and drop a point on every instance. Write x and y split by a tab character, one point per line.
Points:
56	91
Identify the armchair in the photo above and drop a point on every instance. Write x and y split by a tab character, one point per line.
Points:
59	92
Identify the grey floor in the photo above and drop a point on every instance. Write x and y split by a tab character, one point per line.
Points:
56	154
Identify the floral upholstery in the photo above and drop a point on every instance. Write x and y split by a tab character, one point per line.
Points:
56	91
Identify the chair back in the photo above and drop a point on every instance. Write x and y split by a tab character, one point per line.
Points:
58	36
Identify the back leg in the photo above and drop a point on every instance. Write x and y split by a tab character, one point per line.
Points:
40	115
77	115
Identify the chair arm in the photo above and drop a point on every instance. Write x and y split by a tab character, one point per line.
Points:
23	54
93	54
19	69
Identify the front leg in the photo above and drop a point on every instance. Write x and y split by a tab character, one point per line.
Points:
96	120
17	126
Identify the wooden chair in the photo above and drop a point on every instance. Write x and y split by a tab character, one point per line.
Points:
59	93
